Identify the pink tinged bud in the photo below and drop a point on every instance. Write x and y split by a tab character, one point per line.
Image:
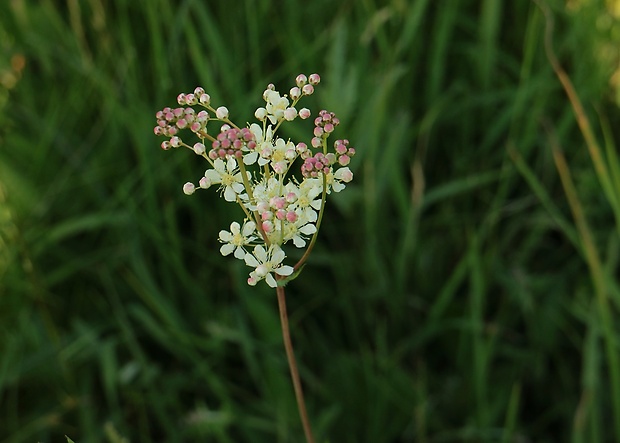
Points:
318	121
204	182
304	113
340	148
238	154
314	79
326	170
301	80
189	188
252	281
199	148
178	112
279	167
198	91
190	99
336	121
344	160
318	131
196	127
165	145
182	123
291	197
181	99
331	158
290	114
267	226
267	215
326	116
221	112
205	99
158	130
280	214
291	216
225	143
262	207
316	142
159	115
237	144
251	145
202	116
280	202
295	93
172	130
169	116
307	89
329	128
213	154
175	142
351	152
301	147
221	153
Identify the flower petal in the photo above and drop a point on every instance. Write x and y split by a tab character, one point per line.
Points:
284	270
250	260
240	253
271	281
227	249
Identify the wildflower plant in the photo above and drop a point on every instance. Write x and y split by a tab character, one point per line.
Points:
280	185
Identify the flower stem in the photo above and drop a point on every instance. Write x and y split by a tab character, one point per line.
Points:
292	364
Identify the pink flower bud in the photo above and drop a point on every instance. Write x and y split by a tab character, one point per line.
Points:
181	99
175	142
307	89
290	114
165	145
189	188
267	226
316	142
304	113
280	214
291	216
221	112
205	99
199	148
344	160
314	79
295	93
204	182
301	80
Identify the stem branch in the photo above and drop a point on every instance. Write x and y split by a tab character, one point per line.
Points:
292	364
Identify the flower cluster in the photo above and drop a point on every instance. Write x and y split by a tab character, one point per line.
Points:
253	167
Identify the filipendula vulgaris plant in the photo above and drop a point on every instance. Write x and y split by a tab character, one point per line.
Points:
252	167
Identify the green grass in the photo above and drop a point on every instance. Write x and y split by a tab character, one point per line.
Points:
454	294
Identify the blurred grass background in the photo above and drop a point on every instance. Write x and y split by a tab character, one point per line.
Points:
452	296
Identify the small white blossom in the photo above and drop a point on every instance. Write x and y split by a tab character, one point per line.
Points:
227	174
237	238
265	263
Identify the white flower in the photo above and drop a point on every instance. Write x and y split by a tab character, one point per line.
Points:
307	198
266	263
336	180
237	238
226	174
293	231
275	106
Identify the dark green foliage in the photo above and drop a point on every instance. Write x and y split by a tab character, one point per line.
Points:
447	299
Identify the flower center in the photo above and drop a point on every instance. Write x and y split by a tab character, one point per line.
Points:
227	179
